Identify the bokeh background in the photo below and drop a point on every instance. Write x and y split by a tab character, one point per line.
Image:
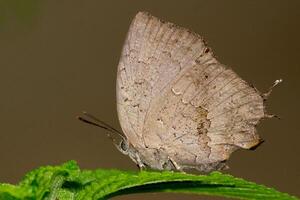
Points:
58	58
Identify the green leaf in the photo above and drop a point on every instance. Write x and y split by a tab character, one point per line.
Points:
68	182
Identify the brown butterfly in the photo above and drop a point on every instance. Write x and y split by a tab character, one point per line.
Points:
179	108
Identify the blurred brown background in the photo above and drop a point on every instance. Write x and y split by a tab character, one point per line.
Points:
58	58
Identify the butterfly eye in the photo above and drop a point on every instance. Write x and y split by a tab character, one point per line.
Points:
124	146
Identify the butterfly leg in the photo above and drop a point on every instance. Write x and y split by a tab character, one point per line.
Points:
178	168
139	163
141	166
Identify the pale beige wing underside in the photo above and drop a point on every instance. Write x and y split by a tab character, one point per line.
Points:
173	95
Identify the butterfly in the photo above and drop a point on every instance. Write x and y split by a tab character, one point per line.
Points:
179	108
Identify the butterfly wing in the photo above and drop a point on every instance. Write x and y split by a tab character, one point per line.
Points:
175	97
145	67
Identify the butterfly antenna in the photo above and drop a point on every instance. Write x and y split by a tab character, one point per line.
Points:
92	123
101	123
90	119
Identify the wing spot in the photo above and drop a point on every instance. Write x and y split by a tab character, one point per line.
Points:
207	50
167	53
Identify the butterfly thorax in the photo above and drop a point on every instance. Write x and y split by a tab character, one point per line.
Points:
147	157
